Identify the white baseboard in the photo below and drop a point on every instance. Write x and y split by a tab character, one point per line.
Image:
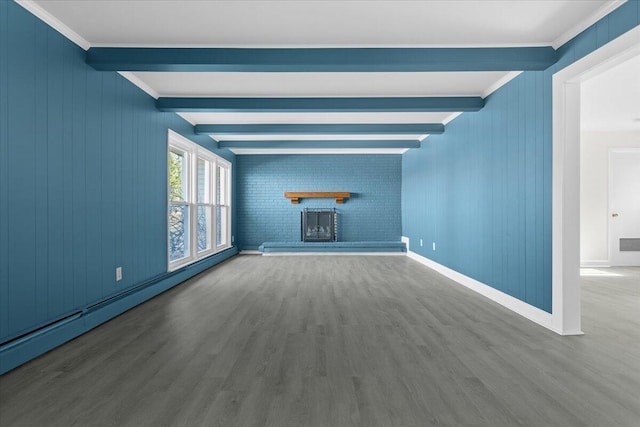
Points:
528	311
333	253
248	252
595	263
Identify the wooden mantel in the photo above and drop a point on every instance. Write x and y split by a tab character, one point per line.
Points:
295	196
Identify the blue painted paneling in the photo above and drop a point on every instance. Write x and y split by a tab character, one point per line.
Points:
371	214
53	215
27	347
475	192
4	169
82	177
482	190
21	126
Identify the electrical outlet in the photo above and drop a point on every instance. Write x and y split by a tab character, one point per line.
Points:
420	242
118	274
434	246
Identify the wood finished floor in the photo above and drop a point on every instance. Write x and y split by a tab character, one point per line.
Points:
337	341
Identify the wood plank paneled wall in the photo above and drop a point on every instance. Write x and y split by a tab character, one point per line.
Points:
82	177
482	190
480	193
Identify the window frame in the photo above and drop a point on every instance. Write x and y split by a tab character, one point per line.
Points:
225	204
193	152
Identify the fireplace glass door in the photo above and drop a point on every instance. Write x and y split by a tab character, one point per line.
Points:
318	225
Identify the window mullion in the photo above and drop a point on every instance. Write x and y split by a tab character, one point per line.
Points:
214	216
212	201
193	210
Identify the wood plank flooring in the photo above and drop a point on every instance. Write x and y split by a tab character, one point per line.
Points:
338	341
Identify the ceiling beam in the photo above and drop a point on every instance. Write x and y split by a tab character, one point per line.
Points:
321	59
321	144
323	129
321	105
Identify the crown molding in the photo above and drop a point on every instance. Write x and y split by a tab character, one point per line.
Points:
449	118
54	23
142	85
500	82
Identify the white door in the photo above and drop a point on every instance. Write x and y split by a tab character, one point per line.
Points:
624	207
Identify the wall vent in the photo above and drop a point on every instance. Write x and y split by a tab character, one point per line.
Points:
629	245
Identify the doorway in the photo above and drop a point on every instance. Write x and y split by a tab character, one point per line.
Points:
566	313
624	207
609	166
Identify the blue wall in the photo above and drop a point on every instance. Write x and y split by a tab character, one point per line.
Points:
264	215
482	190
82	177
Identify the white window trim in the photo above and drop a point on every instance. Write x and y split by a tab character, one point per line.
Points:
194	151
226	203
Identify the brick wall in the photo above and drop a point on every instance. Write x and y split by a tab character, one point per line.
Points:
264	215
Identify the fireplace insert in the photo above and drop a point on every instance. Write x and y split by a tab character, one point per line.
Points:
319	225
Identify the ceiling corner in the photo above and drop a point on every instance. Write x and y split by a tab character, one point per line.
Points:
54	23
500	82
142	85
586	23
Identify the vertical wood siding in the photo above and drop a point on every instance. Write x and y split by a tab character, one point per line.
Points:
482	190
82	177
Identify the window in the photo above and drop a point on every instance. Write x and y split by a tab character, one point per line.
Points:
199	202
222	204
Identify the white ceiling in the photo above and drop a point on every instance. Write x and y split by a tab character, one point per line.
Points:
610	101
283	118
319	23
320	84
322	23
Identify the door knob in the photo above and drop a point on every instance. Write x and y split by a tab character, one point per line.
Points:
614	215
